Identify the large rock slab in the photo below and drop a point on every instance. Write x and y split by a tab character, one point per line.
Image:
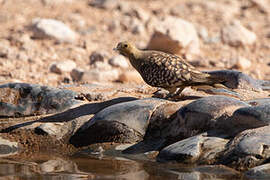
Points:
249	117
235	34
238	80
175	35
7	147
196	149
21	99
123	122
248	149
163	129
207	114
51	28
259	172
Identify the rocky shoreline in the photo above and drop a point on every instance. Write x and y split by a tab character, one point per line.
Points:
212	126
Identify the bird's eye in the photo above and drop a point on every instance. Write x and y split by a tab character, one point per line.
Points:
125	45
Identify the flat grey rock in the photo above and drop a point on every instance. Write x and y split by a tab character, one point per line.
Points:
238	80
207	113
7	147
162	128
21	99
194	149
259	172
123	122
248	149
250	117
258	102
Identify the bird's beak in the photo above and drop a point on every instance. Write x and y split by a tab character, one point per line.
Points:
115	49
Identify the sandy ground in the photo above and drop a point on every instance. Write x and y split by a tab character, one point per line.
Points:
99	30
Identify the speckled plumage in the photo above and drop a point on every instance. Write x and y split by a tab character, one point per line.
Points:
164	70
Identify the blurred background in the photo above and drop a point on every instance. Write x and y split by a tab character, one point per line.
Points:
57	42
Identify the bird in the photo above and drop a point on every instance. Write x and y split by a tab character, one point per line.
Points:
164	70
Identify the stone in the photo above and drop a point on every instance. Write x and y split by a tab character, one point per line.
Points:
53	129
175	35
248	149
56	165
63	66
238	80
100	75
124	122
203	33
55	2
76	74
235	34
207	113
243	63
258	102
21	99
8	147
135	11
259	172
163	129
4	50
263	5
130	77
119	61
95	57
194	149
249	117
51	28
104	4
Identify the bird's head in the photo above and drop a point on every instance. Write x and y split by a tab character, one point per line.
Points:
126	49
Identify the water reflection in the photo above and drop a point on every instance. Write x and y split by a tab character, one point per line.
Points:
81	166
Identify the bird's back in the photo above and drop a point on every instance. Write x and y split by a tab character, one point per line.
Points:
166	70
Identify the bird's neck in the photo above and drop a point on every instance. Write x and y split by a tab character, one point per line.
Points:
135	58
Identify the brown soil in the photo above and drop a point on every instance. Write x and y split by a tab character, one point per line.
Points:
29	60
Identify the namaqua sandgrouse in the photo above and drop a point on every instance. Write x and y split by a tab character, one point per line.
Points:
159	69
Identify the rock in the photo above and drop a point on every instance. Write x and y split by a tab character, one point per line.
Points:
263	5
235	34
95	57
7	147
57	165
104	4
243	63
135	11
238	80
55	2
4	50
63	66
119	61
248	149
203	33
51	28
53	129
163	129
175	35
249	117
100	75
207	113
194	149
21	99
258	102
130	77
125	122
76	74
133	25
259	172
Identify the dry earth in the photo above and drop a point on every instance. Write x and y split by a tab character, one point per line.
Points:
24	58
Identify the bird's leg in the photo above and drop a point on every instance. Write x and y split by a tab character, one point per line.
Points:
171	93
179	90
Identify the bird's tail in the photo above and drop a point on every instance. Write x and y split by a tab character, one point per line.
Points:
204	78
